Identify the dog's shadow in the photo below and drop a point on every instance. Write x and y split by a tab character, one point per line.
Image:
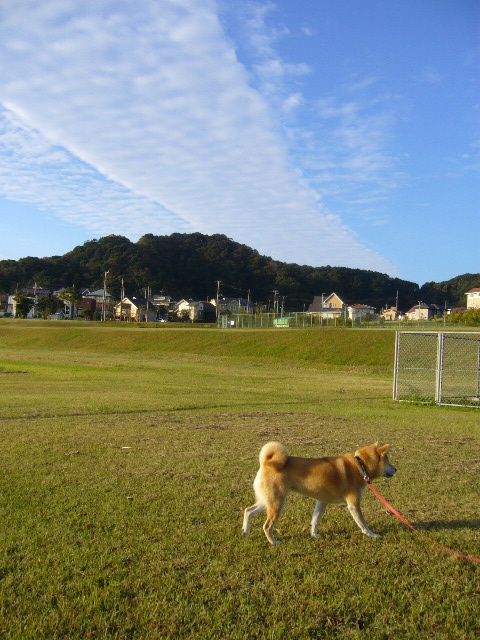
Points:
438	525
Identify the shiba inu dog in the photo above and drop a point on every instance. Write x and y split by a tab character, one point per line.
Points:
327	480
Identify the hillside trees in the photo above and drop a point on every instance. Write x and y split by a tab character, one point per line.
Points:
188	265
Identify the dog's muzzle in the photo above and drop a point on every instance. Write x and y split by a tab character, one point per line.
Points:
390	472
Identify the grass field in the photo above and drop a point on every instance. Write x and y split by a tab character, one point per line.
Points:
128	456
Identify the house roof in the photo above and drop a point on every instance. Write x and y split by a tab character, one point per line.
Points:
361	306
474	290
330	296
98	293
233	300
159	298
138	302
422	305
316	304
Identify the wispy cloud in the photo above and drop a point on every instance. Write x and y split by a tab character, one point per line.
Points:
36	172
139	118
348	153
339	142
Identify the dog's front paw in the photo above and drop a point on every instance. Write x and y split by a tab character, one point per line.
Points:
244	532
315	535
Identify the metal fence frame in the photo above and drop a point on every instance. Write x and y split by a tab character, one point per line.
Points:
439	378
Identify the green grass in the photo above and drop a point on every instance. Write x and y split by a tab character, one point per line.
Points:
128	457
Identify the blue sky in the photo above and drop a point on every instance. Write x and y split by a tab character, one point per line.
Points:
340	132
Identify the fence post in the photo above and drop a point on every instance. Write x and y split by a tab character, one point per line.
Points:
478	370
395	366
440	346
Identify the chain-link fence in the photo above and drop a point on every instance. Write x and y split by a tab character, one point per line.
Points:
292	319
437	367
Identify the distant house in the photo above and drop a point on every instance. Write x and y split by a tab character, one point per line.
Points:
473	298
183	306
135	309
196	310
389	314
423	311
86	307
3	304
97	295
332	306
232	305
11	305
35	292
162	303
360	312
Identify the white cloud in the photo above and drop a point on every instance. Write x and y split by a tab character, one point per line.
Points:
293	101
34	171
352	156
140	118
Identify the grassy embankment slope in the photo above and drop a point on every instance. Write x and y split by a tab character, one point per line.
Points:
128	456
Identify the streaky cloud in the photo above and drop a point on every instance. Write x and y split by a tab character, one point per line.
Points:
151	124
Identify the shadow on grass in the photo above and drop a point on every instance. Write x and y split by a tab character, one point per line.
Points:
438	525
163	410
148	410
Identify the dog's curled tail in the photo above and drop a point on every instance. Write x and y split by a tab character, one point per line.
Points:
273	453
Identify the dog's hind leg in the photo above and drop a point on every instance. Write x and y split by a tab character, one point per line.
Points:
249	512
353	504
316	517
274	509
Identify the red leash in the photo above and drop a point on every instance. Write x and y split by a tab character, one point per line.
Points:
407	524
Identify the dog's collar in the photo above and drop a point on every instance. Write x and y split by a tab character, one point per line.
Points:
363	469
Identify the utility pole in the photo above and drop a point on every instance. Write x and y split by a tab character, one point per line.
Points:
34	299
218	294
321	312
248	302
147	295
104	295
275	301
283	300
122	295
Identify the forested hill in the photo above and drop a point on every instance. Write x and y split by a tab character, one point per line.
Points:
452	291
188	265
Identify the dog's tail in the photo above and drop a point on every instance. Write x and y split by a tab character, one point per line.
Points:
273	453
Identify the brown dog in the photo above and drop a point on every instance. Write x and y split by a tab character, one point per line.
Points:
327	480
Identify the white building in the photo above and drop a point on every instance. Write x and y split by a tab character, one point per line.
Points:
360	312
473	298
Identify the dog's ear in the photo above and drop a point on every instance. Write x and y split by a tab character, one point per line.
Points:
384	449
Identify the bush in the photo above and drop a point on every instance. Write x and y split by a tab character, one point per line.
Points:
469	318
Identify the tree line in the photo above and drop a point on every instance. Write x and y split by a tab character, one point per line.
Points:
189	265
